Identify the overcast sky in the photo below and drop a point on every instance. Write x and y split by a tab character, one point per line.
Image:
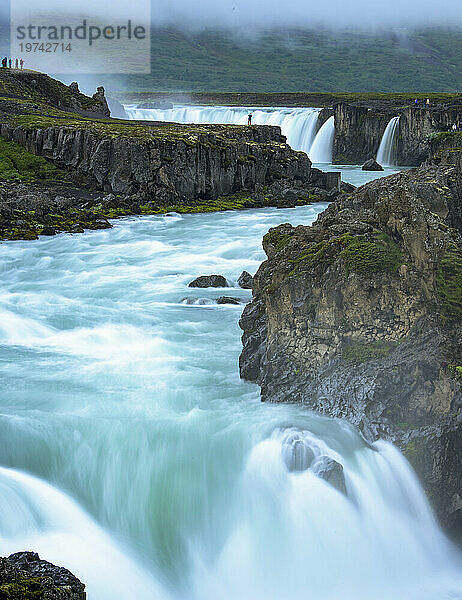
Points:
335	13
368	14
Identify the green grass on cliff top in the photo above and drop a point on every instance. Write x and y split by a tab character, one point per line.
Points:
42	88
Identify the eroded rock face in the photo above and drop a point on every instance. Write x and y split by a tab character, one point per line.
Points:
177	166
359	130
24	576
359	317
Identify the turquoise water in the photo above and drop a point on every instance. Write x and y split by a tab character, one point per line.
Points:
133	454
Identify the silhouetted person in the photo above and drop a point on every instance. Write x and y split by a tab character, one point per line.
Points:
249	119
9	62
21	62
16	63
4	61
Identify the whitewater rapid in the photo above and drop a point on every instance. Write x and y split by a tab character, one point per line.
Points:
133	454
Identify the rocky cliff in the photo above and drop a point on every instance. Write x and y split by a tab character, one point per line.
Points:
358	132
24	576
359	129
169	163
359	317
64	166
39	87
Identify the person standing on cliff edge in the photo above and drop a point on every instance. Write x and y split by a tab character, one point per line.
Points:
249	119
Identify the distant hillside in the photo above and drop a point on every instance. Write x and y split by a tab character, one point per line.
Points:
293	61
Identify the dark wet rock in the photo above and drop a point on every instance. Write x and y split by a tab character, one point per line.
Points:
228	300
48	231
245	280
180	164
24	576
372	165
359	317
206	281
332	472
347	188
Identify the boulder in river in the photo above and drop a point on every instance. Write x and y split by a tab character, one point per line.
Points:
332	472
205	281
372	165
228	300
245	280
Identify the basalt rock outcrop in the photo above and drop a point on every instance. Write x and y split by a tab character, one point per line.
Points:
168	163
39	88
358	132
24	576
360	317
359	129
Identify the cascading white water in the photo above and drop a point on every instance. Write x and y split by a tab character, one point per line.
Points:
297	124
321	150
387	148
133	454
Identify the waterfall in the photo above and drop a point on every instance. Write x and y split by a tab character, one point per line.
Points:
321	150
133	454
297	124
387	148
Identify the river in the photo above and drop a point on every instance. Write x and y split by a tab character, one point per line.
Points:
133	454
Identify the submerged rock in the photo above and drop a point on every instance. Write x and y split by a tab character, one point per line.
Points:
24	576
372	165
228	300
205	281
332	472
245	280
